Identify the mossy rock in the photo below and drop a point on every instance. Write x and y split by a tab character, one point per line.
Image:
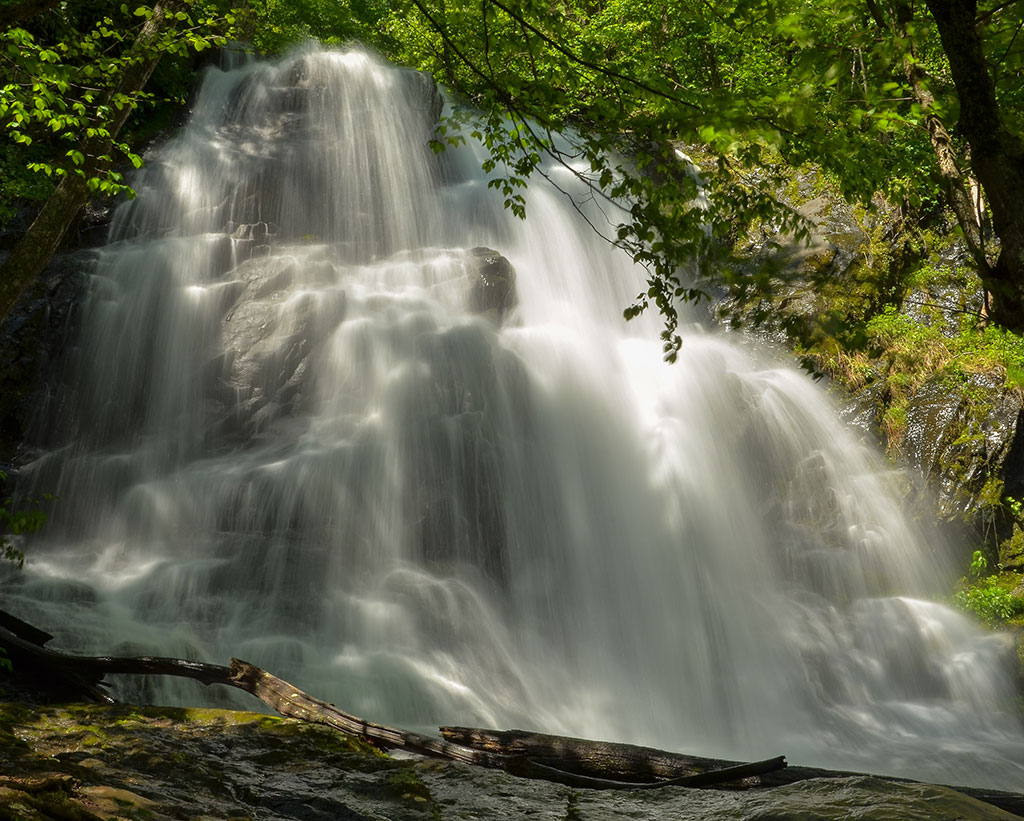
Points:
146	762
1011	551
960	436
156	763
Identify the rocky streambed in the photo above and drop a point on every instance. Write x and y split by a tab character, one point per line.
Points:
89	762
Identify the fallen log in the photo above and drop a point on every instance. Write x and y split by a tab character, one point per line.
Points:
628	761
570	761
23	629
87	672
289	701
83	675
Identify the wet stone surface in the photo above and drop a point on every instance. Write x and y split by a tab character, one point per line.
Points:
86	762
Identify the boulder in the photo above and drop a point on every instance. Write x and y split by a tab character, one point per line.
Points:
492	283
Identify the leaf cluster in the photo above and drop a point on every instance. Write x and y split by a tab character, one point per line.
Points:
272	26
61	91
990	601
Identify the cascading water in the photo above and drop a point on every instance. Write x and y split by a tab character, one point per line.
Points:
288	438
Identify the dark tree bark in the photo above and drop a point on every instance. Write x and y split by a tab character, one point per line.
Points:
997	153
35	249
955	186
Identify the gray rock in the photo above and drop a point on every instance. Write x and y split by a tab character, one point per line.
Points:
786	296
492	283
175	763
959	436
863	411
32	339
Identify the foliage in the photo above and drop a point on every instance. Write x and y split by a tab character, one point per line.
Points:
979	565
271	26
991	599
994	598
905	350
619	80
612	90
759	86
918	347
61	90
15	521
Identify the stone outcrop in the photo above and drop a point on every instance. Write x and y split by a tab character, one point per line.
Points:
960	436
89	762
788	294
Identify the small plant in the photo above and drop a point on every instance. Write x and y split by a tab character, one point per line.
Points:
5	663
979	565
989	597
17	523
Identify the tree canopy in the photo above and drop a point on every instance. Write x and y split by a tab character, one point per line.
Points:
918	103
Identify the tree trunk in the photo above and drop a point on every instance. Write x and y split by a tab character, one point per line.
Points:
622	762
955	186
35	249
997	154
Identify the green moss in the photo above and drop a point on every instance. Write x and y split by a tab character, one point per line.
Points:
572	808
1011	550
407	784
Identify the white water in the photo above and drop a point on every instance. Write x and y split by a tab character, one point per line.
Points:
302	450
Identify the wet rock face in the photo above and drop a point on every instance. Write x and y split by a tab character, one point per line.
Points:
964	438
792	282
142	762
31	340
958	436
33	335
492	283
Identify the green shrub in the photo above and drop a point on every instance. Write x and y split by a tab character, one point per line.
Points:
992	599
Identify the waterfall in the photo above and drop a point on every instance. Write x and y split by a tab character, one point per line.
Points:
310	422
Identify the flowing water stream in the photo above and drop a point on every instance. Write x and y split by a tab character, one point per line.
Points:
301	429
